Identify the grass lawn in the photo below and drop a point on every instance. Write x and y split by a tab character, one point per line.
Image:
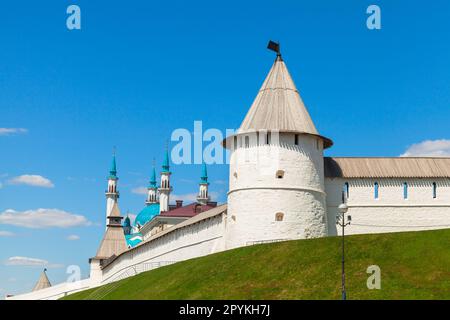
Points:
414	265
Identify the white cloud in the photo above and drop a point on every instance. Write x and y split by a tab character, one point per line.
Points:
6	234
32	180
222	182
31	262
11	131
42	218
429	148
139	190
73	237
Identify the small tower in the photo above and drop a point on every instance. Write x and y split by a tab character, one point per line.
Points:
43	281
111	193
113	243
165	187
127	226
152	189
203	196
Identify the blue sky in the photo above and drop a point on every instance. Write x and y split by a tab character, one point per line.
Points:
138	70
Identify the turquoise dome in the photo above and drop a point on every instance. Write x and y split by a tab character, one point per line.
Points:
147	214
133	239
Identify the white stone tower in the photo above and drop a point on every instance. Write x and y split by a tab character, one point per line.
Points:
203	195
152	189
165	188
111	193
276	168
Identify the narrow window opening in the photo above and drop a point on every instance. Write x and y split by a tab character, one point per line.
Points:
296	139
280	174
247	141
434	190
376	187
346	190
405	190
279	216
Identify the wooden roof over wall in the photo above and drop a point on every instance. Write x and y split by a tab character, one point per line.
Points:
401	167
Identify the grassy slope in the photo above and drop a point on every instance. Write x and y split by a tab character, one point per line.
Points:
414	265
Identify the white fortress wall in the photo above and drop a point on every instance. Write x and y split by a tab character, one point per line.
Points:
390	212
199	236
57	291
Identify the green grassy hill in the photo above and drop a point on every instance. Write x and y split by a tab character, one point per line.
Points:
414	265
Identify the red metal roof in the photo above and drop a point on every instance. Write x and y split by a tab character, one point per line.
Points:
189	211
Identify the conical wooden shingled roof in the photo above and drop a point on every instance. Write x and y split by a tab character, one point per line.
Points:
278	106
113	242
43	282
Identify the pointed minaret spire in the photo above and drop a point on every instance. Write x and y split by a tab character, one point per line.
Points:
111	193
165	187
165	165
203	196
113	170
152	188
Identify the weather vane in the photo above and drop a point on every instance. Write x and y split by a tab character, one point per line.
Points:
274	46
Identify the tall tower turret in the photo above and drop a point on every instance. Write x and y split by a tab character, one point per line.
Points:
152	189
111	193
203	196
165	188
276	167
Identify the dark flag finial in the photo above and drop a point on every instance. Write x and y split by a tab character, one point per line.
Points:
274	46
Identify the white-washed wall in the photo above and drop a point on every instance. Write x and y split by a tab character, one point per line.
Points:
256	194
196	240
390	212
57	291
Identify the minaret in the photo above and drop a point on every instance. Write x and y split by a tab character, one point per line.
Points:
203	196
165	187
276	167
152	189
111	193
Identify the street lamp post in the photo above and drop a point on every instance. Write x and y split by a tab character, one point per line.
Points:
340	220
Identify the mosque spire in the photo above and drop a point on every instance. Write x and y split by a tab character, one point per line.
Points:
203	196
204	176
165	187
153	177
152	188
113	170
165	165
111	193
